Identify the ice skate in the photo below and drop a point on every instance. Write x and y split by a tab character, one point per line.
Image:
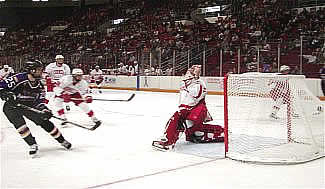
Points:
66	144
33	151
162	145
274	116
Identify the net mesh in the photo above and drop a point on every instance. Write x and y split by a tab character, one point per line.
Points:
273	119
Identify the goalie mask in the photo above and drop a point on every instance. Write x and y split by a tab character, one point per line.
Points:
189	74
197	71
193	72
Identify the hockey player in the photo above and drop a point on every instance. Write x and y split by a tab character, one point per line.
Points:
72	88
26	89
5	72
55	71
280	93
97	77
191	115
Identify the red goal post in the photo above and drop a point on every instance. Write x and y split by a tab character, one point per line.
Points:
296	135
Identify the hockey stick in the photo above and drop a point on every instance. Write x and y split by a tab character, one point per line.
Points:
59	118
109	100
117	100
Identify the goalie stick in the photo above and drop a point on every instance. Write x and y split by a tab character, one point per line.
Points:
70	122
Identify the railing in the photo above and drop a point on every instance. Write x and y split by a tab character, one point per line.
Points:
305	56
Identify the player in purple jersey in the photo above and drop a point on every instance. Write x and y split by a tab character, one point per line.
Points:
26	89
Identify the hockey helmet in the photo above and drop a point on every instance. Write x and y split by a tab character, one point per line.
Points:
77	71
77	74
34	67
59	56
6	66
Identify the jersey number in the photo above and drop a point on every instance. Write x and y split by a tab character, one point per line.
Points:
10	82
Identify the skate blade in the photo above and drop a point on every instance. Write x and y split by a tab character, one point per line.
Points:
159	147
35	156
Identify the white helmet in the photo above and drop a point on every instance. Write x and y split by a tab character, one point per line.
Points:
284	68
6	66
77	71
59	57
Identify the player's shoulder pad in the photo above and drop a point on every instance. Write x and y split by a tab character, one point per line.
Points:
21	76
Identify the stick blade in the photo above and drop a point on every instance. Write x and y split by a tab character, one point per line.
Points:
131	97
98	123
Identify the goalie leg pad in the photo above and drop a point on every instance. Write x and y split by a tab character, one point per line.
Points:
171	134
172	129
204	133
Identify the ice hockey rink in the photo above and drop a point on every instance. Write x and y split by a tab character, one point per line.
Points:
119	154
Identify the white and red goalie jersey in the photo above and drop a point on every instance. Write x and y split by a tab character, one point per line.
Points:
190	95
191	115
67	85
55	72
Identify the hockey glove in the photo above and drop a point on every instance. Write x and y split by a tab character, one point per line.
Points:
41	106
88	99
8	96
46	114
66	97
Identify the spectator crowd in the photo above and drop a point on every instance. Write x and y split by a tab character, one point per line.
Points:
153	31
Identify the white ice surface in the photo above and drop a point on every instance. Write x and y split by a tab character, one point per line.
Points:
119	155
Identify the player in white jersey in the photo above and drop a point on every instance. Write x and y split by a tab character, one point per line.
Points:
5	72
54	72
191	115
72	88
57	69
280	92
97	77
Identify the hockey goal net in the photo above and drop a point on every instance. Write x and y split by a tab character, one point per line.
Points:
294	133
